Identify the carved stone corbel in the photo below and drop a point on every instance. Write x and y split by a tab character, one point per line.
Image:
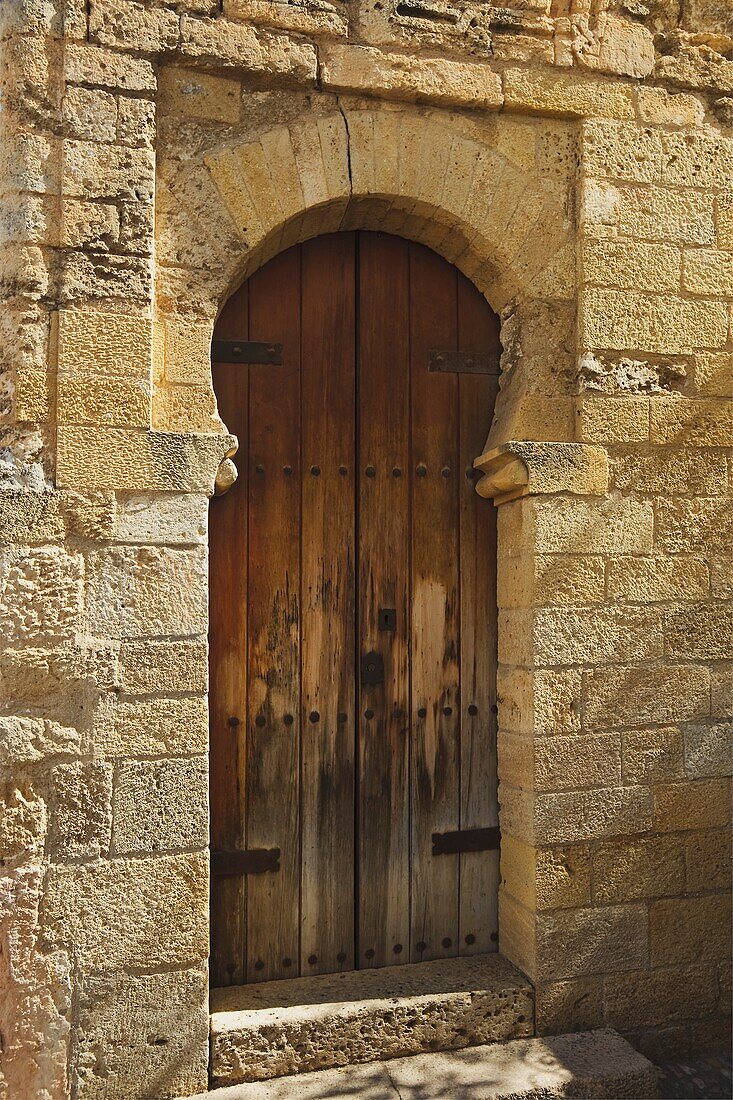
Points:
520	468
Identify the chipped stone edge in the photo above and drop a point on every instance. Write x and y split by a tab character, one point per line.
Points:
518	469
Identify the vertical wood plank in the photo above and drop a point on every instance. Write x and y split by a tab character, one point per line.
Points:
227	656
434	472
383	710
328	603
273	720
478	330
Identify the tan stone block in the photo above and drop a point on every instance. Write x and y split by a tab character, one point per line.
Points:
703	630
90	113
690	930
136	122
104	343
708	860
623	151
628	696
613	263
166	519
306	20
634	869
592	815
185	409
724	219
713	374
23	820
558	93
548	579
721	578
129	912
708	272
653	580
592	635
235	189
94	399
653	755
28	740
709	749
671	472
515	760
517	934
246	48
612	419
703	804
701	422
567	526
92	171
133	591
164	666
661	107
151	1028
133	26
574	1005
187	351
721	690
704	525
571	763
360	69
32	398
27	517
697	159
161	804
151	727
626	48
660	997
563	877
82	817
539	702
574	942
89	224
195	94
335	154
629	320
40	594
660	214
88	64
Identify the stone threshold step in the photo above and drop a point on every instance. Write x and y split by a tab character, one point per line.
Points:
590	1064
277	1028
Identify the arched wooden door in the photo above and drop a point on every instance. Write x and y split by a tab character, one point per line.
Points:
353	621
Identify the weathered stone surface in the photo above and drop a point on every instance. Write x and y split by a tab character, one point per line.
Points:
171	519
23	820
151	727
82	806
644	868
40	594
267	1030
161	804
611	939
164	666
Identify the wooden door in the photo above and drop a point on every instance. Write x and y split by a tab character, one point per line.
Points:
353	619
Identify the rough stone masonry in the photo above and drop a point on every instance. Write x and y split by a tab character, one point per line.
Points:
575	159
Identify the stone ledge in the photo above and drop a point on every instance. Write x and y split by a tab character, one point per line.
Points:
519	469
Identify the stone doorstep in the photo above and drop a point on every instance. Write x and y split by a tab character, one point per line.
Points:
306	1024
587	1065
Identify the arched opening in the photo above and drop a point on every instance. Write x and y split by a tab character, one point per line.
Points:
353	620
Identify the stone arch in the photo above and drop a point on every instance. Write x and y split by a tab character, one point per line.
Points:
467	188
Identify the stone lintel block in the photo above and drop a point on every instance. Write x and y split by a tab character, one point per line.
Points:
360	69
518	469
140	461
248	49
306	19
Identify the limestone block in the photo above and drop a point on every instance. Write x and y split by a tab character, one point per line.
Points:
708	272
626	48
89	515
627	320
658	998
104	343
614	263
136	122
520	469
570	526
709	750
653	755
558	93
569	1006
698	526
548	579
229	43
32	675
658	214
322	19
161	804
721	690
659	106
360	69
93	171
199	95
133	26
165	666
82	811
546	878
628	696
91	64
186	409
133	591
575	816
678	471
23	818
721	578
28	740
612	419
27	517
89	224
703	630
596	635
690	930
574	942
170	518
708	859
700	422
27	163
641	868
142	1035
540	703
129	912
90	113
139	461
91	399
40	594
701	158
103	276
653	580
571	763
152	727
724	219
623	151
704	804
187	351
517	934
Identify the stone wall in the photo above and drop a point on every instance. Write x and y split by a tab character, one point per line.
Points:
575	159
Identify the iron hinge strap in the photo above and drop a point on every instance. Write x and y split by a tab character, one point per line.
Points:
463	362
246	351
466	840
252	861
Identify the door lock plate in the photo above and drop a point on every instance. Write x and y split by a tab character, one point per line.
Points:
387	619
372	669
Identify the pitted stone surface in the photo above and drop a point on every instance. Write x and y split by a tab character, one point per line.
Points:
590	1064
277	1028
